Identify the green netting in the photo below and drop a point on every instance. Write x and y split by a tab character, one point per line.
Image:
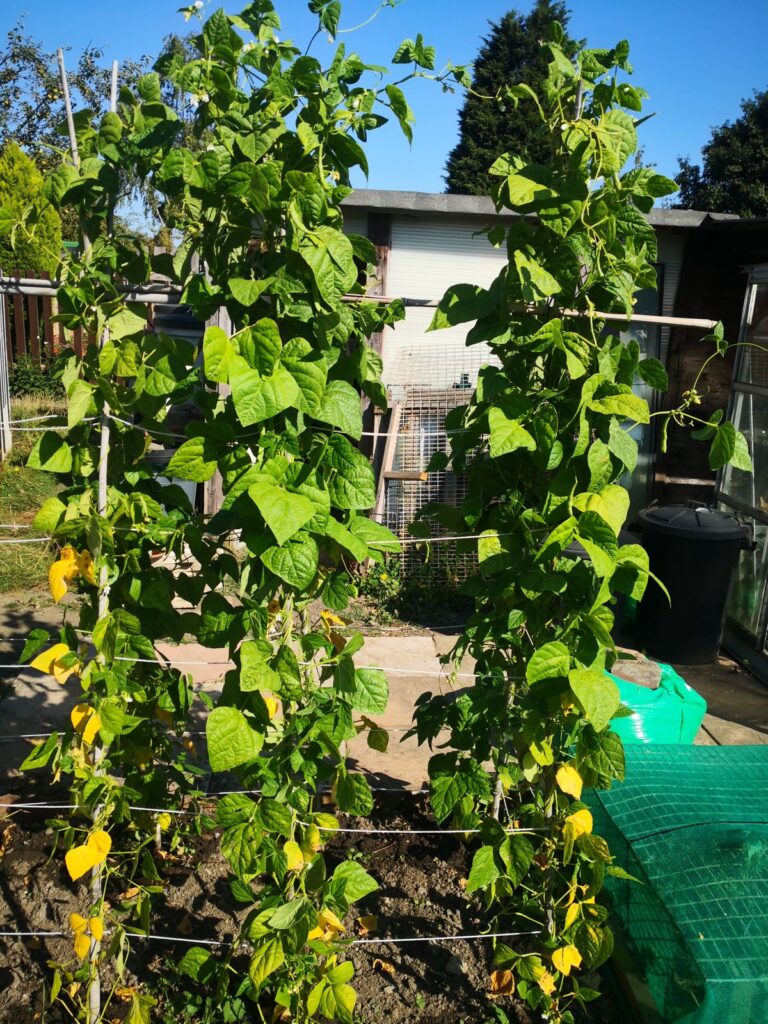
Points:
692	824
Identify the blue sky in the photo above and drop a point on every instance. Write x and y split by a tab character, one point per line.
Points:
696	58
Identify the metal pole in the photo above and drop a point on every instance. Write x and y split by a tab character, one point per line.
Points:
33	286
5	392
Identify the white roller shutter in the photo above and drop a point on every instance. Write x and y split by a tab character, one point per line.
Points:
427	256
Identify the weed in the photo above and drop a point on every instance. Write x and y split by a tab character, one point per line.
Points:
28	378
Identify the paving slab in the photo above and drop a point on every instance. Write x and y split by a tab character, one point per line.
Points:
737	703
414	669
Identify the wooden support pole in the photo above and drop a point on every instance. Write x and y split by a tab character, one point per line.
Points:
405	474
387	460
97	889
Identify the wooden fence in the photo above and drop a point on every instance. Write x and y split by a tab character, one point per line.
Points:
30	330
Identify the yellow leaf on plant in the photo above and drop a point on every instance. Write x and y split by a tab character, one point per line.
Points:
293	855
50	663
68	567
164	821
571	914
328	919
368	923
62	570
273	705
85	721
125	993
330	619
569	780
85	567
312	841
328	926
96	926
546	983
81	942
580	822
502	983
82	858
566	958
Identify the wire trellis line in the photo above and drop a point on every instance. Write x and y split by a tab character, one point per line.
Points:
428	673
418	831
26	540
443	539
394	941
322	828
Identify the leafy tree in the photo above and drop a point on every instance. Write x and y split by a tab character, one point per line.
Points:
21	186
32	104
488	122
733	177
31	100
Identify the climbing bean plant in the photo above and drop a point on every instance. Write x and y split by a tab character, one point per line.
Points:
273	406
545	439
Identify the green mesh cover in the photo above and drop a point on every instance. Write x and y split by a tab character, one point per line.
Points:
692	824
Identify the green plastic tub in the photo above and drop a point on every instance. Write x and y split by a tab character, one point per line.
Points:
673	713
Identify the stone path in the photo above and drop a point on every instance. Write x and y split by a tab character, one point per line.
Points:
37	704
738	704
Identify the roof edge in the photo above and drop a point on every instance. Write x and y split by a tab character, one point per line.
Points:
443	203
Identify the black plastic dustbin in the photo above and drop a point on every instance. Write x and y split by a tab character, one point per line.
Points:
693	550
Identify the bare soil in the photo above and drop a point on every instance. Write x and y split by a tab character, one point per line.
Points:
421	894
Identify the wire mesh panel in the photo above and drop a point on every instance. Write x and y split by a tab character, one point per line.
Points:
429	379
691	823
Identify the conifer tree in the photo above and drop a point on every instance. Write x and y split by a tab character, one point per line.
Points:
21	186
510	54
733	176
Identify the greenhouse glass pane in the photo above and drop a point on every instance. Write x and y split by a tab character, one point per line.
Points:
753	364
750	416
745	603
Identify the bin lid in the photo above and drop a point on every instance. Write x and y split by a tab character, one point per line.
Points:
692	521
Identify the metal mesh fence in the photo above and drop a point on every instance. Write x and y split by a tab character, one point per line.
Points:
429	379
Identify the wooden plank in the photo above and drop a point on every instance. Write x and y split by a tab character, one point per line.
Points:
380	233
77	341
18	326
405	474
33	335
48	333
388	459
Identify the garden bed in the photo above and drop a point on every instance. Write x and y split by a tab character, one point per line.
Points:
421	894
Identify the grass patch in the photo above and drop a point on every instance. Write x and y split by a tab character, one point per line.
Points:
24	567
